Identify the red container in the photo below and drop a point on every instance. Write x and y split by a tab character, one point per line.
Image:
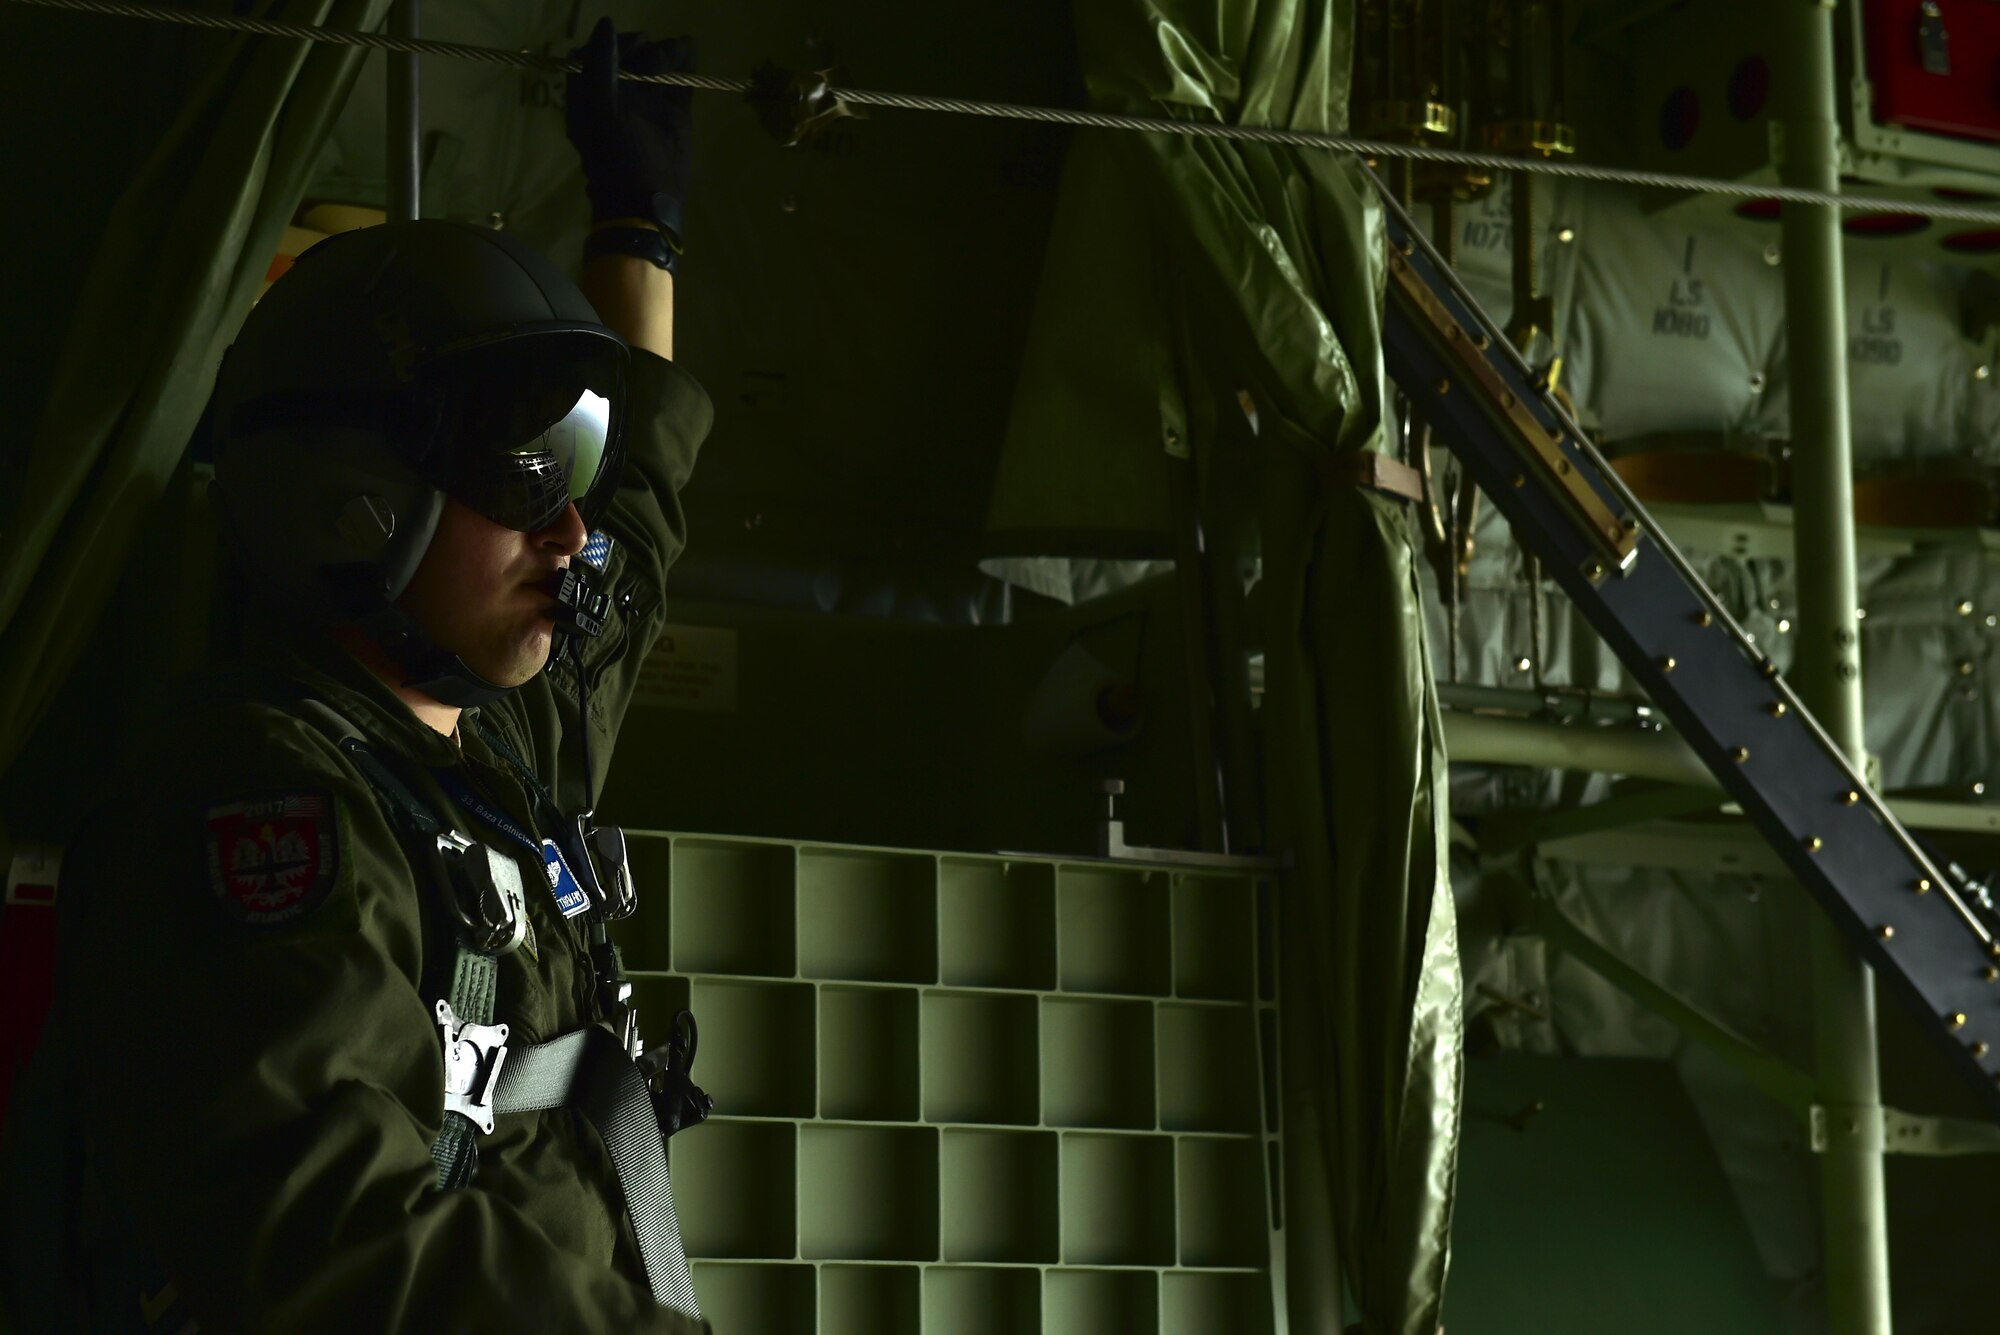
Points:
1964	101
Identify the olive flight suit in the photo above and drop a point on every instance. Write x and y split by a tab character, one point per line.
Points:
256	1057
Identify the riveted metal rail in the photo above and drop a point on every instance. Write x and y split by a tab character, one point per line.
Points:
1725	696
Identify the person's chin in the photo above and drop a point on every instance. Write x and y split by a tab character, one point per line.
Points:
521	662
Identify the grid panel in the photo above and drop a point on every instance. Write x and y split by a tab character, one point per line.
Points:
967	1094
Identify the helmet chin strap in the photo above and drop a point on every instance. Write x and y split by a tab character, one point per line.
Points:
437	672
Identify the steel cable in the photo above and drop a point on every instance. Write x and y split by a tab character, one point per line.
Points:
861	97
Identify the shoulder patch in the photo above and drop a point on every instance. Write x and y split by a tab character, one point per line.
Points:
275	858
596	551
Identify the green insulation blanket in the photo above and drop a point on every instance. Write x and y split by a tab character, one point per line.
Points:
1181	273
179	264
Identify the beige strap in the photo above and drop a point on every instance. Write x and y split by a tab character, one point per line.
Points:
1375	472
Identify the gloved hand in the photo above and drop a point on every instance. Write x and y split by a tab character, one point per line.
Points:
633	137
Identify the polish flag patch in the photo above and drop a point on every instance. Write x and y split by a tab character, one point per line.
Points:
272	860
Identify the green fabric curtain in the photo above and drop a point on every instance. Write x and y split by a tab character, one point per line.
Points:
1179	272
179	264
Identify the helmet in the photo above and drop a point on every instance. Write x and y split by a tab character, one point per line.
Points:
393	366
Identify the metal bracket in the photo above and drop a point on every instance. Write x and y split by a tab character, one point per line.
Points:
473	1056
1887	1131
1843	1128
1933	42
1111	844
1537	444
483	888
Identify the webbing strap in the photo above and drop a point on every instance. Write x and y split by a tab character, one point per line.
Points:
545	1075
475	982
591	1069
621	1108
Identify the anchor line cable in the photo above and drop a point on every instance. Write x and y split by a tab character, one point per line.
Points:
860	97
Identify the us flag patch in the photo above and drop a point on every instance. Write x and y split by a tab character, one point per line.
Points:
272	860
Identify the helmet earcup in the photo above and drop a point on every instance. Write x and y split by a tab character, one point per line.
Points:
325	521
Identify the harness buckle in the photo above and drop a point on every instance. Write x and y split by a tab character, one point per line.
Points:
678	1102
611	868
473	1056
486	895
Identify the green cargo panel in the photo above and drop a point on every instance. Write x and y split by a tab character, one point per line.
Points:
965	1094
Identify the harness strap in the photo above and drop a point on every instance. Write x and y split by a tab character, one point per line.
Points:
545	1075
475	981
474	977
620	1106
589	1068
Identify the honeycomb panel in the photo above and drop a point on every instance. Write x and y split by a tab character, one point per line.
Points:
963	1095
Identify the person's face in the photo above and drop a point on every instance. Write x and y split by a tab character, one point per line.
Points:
483	591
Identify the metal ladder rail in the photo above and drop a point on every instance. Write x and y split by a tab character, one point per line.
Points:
1672	633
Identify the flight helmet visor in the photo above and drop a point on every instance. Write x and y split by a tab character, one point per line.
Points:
527	433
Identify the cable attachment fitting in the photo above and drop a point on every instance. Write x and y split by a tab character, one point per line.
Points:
678	1102
795	107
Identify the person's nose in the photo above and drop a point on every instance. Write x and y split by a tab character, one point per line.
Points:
565	533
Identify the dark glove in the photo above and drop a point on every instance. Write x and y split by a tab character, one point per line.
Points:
633	137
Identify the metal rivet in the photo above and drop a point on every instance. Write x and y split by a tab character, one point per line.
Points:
1562	467
1776	709
1994	950
1989	974
1957	1019
1814	843
1519	479
1443	386
1965	607
1784	626
1593	570
1981	371
1740	754
1704	619
1772	253
1922	885
1964	667
1770	672
1395	261
1850	798
1566	234
1482	342
1667	663
1523	664
1507	398
1408	247
1885	931
1979	1049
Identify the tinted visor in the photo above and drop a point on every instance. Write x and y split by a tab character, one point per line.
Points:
530	428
